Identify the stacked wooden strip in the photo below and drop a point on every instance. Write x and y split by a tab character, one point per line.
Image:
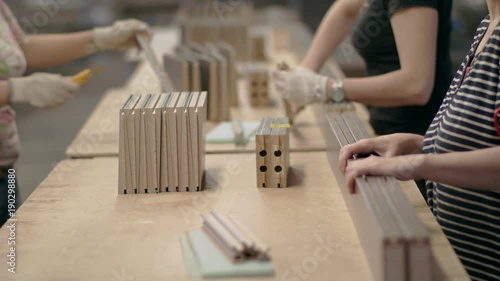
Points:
161	143
235	240
395	241
272	151
216	9
209	67
165	81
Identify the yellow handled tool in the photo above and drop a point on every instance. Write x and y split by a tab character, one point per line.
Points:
84	76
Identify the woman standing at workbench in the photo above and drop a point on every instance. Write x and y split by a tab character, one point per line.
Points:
19	52
459	155
405	44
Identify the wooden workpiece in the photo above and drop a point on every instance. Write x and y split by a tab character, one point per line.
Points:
92	233
272	152
171	124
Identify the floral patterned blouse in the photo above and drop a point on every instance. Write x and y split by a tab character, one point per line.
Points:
12	64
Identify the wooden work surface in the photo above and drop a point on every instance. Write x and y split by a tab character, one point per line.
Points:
75	226
99	135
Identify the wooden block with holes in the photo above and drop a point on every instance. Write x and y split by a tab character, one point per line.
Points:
272	152
258	85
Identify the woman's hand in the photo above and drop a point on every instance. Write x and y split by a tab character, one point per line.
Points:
384	146
42	90
401	167
301	86
120	35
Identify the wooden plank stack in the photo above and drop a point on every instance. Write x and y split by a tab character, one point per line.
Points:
161	143
235	240
211	21
209	67
395	241
272	152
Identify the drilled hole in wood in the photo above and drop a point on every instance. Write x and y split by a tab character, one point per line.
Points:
277	153
278	169
263	153
263	168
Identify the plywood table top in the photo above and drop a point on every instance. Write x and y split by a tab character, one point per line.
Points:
76	227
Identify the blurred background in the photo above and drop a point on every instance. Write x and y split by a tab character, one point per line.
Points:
46	134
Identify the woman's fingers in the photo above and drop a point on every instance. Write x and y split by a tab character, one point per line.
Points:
347	152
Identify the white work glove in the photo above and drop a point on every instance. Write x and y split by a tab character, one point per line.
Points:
43	90
120	35
301	86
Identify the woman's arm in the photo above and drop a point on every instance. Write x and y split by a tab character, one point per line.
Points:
415	30
334	27
479	169
46	50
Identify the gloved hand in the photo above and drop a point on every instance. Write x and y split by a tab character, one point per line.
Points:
301	86
43	90
120	35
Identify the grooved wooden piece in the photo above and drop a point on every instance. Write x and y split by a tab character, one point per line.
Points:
272	152
162	145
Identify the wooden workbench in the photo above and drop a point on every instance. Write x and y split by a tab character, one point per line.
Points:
95	141
76	227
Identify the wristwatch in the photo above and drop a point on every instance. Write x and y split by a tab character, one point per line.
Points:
337	91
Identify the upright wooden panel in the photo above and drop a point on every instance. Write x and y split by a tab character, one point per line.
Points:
178	69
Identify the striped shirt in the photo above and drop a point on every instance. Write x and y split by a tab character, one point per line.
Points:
465	122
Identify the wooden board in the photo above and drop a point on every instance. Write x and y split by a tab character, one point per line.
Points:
89	232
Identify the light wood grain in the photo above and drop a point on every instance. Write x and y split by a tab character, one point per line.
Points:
76	227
